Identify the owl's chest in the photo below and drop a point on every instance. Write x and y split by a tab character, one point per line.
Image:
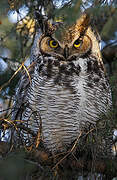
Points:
65	103
58	93
61	107
58	105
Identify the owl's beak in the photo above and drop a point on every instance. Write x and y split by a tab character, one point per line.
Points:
66	52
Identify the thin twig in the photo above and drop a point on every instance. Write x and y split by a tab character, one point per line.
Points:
26	71
69	152
5	84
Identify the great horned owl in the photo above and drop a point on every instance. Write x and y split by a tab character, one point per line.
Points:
68	90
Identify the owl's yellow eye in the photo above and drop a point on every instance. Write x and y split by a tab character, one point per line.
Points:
77	43
53	44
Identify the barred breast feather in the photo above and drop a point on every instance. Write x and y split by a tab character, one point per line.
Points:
66	104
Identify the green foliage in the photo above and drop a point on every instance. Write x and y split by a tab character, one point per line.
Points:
15	166
4	6
69	12
110	26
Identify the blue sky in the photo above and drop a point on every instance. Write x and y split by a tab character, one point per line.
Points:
13	16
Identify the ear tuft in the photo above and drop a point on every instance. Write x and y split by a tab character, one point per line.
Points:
84	20
83	23
45	25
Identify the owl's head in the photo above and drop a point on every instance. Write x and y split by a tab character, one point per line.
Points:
76	41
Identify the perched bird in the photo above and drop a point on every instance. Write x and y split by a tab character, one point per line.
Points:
68	90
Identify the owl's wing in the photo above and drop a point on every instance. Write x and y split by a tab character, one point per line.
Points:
20	101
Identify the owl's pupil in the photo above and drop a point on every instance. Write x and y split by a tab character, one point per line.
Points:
54	43
77	42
